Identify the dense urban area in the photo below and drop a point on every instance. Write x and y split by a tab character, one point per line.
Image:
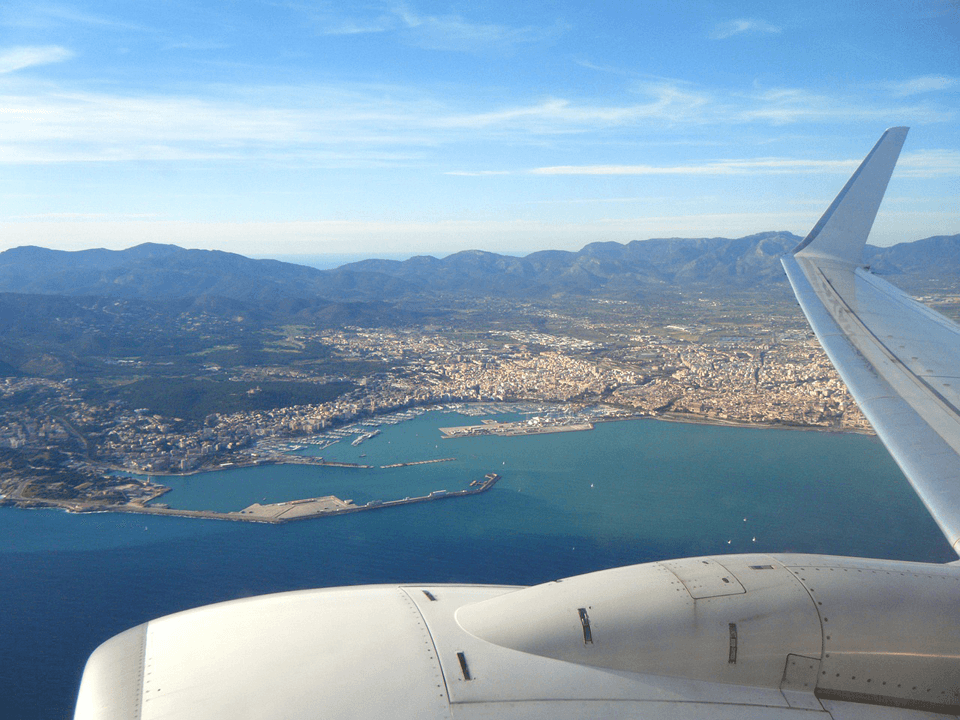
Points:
63	439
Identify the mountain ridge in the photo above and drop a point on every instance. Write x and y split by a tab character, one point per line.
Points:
608	269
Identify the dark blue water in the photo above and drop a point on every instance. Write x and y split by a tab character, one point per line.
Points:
568	503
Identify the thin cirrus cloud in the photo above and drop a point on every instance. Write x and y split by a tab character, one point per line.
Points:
719	167
783	106
47	16
930	163
354	27
452	32
19	58
273	122
264	118
441	32
664	102
742	26
679	103
376	124
925	84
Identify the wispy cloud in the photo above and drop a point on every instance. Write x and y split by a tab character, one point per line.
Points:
929	164
456	33
611	69
925	164
358	27
368	125
717	167
18	58
478	173
194	44
337	127
925	84
448	32
558	115
43	16
358	126
743	25
783	106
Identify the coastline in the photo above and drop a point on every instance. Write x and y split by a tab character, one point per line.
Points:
284	458
281	457
721	422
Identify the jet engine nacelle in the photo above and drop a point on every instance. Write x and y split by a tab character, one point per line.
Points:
849	629
785	634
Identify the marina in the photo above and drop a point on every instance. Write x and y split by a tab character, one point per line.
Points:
309	470
542	418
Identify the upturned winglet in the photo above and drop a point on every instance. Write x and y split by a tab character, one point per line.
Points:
842	231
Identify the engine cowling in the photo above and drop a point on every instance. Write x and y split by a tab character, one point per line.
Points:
848	629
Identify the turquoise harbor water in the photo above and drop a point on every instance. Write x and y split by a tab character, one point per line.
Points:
568	503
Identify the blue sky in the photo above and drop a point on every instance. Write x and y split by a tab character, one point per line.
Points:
401	128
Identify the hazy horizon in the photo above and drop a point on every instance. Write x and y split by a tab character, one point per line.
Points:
332	260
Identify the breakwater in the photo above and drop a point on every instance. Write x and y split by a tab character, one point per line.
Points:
416	462
303	509
311	460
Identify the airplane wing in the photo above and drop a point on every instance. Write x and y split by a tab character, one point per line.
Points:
897	357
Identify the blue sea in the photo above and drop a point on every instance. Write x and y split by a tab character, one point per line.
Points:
626	492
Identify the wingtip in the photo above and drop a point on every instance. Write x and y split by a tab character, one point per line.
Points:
843	230
898	133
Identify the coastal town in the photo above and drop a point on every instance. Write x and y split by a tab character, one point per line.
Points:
63	448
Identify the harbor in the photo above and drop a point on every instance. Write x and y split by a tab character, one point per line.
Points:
277	485
542	418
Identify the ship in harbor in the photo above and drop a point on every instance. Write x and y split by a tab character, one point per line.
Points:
365	436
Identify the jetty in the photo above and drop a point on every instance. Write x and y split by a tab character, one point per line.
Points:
417	462
314	460
304	509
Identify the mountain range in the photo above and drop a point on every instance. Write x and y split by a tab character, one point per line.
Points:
609	269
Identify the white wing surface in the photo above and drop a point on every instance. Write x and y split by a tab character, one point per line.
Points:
898	358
